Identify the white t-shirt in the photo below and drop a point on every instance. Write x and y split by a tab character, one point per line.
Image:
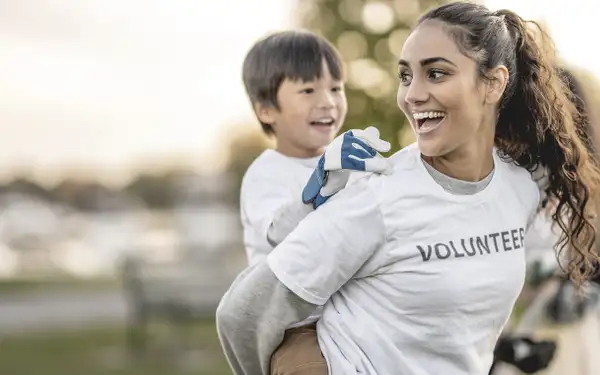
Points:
271	181
414	280
541	241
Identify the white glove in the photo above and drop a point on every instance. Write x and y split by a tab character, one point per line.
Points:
355	150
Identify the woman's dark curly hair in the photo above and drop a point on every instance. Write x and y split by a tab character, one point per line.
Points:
539	125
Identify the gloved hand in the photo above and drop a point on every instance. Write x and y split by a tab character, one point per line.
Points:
355	150
527	355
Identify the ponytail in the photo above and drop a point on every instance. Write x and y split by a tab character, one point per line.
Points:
539	126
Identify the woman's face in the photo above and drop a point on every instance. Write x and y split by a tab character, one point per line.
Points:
440	92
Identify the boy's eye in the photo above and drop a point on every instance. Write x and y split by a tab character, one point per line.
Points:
337	89
308	90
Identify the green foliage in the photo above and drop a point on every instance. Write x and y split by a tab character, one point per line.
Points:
369	35
103	351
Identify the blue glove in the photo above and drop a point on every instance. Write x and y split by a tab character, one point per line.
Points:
355	150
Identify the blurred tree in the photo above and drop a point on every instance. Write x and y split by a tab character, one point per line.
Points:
156	191
92	196
28	186
370	36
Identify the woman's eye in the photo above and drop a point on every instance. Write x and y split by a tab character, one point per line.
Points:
405	78
436	74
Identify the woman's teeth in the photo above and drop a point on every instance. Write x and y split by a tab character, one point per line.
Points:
428	115
428	121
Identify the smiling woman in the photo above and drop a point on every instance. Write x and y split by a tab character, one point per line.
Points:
498	87
436	77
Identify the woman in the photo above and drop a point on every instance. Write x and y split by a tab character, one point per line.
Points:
418	271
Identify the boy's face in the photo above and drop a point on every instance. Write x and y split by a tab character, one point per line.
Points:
309	117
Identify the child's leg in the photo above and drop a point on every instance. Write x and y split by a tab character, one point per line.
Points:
299	353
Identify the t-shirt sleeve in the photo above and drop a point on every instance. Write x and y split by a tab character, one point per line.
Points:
537	197
540	240
541	235
331	244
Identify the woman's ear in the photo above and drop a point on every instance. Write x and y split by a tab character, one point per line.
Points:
496	85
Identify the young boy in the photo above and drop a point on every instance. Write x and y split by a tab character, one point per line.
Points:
294	80
295	84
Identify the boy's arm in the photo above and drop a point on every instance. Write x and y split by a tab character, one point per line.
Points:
286	218
355	150
253	316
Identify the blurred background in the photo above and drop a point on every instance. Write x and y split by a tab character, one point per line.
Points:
125	131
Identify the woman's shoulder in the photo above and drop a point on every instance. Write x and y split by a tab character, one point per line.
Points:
401	162
404	180
528	185
406	158
513	172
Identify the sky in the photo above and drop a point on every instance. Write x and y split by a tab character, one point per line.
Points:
115	84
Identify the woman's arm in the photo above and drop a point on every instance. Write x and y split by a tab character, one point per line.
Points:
325	251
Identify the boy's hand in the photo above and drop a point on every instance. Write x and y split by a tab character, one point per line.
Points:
355	150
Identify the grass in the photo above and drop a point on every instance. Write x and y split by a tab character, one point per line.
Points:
14	286
102	351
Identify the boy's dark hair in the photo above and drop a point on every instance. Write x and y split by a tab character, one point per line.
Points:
294	55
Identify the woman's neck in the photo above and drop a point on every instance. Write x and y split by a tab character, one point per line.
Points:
472	162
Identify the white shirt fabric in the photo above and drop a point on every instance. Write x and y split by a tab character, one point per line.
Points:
414	280
273	180
541	241
271	193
